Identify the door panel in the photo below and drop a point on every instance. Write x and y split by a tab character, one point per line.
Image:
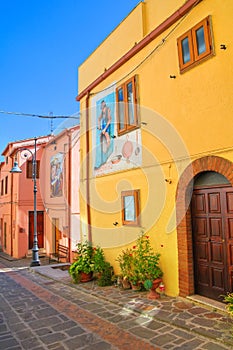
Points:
229	237
212	221
56	234
200	203
40	229
229	201
214	203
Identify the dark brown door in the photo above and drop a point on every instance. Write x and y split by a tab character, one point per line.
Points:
56	234
40	229
212	219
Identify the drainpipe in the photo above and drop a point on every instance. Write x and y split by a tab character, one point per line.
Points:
87	169
69	194
12	187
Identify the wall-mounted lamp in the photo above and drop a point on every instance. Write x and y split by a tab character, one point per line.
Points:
223	47
115	223
172	76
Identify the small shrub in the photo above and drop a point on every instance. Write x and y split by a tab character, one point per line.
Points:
229	300
140	263
106	276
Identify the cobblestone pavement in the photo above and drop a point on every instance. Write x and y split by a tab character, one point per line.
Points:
40	308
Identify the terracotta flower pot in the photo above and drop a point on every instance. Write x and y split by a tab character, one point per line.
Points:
125	283
85	277
136	286
152	293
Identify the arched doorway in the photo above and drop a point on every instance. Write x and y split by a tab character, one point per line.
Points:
186	253
212	229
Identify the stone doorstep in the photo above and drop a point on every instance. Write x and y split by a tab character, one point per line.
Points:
7	257
210	303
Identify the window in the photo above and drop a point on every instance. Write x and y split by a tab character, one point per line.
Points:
127	110
5	236
6	184
30	170
2	187
130	208
195	45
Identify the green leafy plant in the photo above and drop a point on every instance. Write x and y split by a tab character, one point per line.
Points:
140	263
106	276
84	262
91	259
229	300
125	260
148	284
99	259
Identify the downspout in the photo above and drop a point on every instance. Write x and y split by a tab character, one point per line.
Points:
87	169
69	195
12	188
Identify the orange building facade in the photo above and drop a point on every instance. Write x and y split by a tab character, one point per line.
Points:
57	195
60	190
16	200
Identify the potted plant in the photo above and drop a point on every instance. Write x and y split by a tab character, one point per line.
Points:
125	260
81	270
140	263
99	260
152	285
106	277
229	300
102	268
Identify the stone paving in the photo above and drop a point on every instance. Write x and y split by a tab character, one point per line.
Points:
40	308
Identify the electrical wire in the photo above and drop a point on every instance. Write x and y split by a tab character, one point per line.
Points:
161	43
40	116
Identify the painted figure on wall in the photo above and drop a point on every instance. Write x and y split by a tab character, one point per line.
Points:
56	176
112	152
105	126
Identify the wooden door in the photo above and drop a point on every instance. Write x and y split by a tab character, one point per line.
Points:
56	234
40	229
212	219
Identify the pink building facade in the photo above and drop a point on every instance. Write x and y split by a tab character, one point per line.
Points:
60	190
17	199
57	198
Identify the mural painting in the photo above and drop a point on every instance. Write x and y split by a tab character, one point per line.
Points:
56	175
112	152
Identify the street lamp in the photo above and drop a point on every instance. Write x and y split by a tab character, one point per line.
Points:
16	169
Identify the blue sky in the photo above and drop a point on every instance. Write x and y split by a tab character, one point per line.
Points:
42	43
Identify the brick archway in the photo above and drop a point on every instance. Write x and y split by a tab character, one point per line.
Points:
184	226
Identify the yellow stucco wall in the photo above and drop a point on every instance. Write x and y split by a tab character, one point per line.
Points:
125	35
186	118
